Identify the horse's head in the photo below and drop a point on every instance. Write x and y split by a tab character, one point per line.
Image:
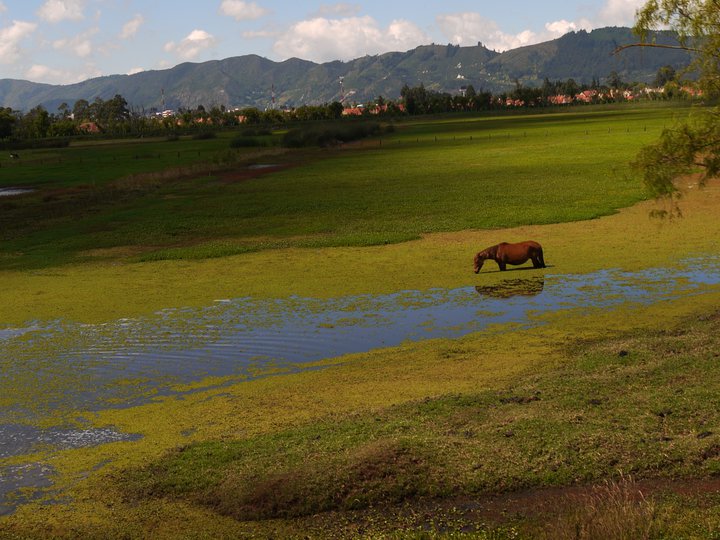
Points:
479	260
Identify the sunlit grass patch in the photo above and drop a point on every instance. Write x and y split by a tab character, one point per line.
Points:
616	408
472	173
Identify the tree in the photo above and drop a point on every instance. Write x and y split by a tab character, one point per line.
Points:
116	109
416	99
64	110
335	109
665	75
7	121
697	25
36	123
81	110
614	81
692	146
570	88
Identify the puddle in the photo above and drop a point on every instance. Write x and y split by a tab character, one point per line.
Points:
10	191
23	483
59	366
19	439
20	484
263	166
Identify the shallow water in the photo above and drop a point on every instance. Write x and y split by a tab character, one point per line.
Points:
128	361
50	367
9	192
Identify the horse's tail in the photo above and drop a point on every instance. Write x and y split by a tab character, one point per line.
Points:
541	258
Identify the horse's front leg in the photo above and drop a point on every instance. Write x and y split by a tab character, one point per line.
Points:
501	264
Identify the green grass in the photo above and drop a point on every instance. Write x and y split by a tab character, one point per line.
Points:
406	442
634	406
95	163
427	176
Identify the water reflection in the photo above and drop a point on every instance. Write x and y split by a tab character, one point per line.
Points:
513	287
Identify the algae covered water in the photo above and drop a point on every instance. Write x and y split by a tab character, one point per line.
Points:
53	368
62	364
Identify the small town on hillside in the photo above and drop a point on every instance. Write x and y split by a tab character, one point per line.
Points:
116	116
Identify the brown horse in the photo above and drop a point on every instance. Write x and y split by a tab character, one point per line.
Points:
505	253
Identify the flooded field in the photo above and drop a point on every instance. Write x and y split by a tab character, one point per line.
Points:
56	369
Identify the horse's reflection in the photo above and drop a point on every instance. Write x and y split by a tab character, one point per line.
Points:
513	287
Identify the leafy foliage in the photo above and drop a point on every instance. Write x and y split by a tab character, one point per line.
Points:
697	25
695	145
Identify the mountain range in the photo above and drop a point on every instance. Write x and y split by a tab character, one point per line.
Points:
253	81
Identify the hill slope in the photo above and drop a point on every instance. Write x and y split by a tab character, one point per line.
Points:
251	80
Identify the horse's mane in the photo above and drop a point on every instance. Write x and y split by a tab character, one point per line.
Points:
488	253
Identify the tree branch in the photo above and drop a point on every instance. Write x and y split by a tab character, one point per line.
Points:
657	46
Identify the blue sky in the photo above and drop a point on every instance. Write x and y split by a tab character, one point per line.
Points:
65	41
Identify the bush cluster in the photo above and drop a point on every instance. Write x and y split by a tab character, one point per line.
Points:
329	134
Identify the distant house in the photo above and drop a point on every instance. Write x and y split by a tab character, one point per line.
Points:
694	92
89	127
560	99
353	111
359	110
587	96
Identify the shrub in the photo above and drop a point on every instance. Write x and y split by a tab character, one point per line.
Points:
203	135
256	132
244	141
329	134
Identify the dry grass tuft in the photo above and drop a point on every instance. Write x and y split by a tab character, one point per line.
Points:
614	510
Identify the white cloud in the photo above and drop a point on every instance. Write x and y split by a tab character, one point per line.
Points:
338	10
135	70
41	73
131	27
190	47
322	39
242	11
470	28
619	12
10	38
80	45
3	8
560	28
60	10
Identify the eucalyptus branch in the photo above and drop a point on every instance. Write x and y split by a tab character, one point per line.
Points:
657	46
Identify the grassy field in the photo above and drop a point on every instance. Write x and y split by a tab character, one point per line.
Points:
482	172
595	424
